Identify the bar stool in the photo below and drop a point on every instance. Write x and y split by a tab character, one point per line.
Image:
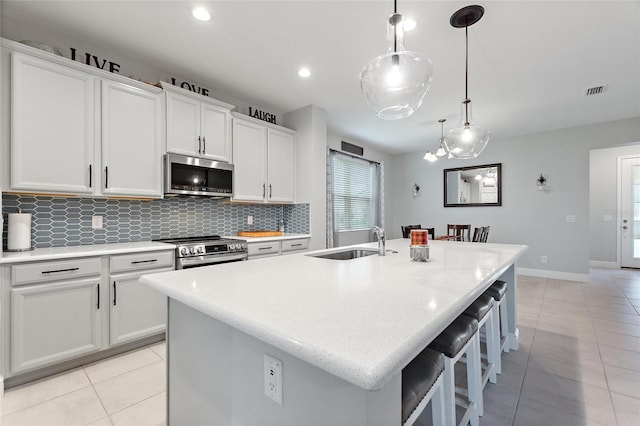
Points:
459	339
422	382
485	311
497	290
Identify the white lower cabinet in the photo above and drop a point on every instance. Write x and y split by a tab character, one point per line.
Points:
277	247
59	310
54	321
136	310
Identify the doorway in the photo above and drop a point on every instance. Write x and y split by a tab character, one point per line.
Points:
630	212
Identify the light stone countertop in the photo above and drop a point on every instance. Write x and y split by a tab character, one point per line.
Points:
265	239
69	252
362	320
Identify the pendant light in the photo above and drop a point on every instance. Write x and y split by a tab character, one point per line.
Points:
394	84
468	140
441	151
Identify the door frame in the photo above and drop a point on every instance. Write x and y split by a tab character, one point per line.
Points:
619	206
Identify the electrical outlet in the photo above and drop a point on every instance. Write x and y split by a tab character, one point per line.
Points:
96	222
571	218
273	378
249	220
543	259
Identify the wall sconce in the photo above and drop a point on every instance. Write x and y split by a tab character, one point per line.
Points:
541	182
415	189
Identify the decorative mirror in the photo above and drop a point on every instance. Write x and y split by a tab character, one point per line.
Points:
473	186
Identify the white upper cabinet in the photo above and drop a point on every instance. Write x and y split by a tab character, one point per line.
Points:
250	166
264	158
52	127
75	132
131	141
197	126
280	161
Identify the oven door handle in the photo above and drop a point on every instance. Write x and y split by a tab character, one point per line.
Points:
209	260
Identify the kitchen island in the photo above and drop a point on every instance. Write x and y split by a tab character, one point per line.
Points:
342	329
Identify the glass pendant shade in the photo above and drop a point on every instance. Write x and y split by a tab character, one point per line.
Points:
430	156
468	140
394	84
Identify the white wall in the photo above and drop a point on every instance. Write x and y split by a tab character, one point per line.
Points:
310	123
356	237
603	201
527	215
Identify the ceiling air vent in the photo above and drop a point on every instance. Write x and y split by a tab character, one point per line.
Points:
596	90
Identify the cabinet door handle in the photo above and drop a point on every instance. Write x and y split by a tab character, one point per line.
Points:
270	191
98	296
55	271
199	145
136	262
204	145
90	174
106	176
265	248
114	293
264	189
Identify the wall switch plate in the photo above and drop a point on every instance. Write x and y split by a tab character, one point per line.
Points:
96	222
273	378
571	218
607	218
249	220
543	259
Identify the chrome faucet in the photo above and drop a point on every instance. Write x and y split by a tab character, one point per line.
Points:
379	232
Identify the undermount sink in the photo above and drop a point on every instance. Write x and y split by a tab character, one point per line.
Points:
346	254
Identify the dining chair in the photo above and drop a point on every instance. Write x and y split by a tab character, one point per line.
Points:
431	232
485	234
406	230
480	234
462	232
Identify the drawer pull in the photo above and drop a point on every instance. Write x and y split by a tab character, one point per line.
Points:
296	245
265	248
55	271
136	262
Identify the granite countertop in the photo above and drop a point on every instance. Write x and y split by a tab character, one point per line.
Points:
57	253
362	320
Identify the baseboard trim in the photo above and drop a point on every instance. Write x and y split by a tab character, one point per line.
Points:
603	264
558	275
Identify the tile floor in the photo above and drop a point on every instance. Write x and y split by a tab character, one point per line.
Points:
578	364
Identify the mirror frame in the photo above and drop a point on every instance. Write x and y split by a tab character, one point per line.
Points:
498	167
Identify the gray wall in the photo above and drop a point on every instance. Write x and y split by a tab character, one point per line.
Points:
603	201
528	216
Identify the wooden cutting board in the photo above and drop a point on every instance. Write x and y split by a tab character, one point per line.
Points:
259	233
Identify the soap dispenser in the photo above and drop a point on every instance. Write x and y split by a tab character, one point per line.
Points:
281	225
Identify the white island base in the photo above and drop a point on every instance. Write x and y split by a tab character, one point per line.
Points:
216	377
344	330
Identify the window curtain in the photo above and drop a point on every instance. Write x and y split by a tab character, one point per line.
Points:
355	196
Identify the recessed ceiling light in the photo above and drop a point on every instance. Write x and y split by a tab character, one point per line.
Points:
304	72
409	24
201	13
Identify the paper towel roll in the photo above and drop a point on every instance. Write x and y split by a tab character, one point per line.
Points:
19	233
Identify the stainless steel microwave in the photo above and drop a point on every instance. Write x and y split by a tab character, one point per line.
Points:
197	176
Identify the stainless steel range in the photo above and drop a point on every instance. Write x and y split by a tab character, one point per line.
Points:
194	252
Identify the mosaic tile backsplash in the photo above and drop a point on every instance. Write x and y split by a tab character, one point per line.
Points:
60	221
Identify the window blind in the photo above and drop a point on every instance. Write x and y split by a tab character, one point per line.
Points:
353	193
